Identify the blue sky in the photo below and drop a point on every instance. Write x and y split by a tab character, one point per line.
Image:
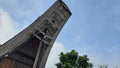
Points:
93	28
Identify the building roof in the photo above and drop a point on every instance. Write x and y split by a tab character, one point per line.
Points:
38	25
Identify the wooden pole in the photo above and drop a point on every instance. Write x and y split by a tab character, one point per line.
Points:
38	53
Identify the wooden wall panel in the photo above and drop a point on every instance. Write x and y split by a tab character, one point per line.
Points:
1	64
21	65
8	63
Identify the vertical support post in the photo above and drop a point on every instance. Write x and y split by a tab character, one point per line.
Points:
38	53
39	48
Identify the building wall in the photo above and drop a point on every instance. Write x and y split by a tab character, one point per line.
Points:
6	63
9	63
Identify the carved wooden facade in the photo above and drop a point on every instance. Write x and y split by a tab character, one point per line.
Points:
30	48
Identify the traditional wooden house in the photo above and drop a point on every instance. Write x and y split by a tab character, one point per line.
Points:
31	47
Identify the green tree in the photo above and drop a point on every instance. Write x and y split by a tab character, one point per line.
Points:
90	65
73	60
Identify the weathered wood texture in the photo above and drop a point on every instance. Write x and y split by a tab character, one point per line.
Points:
9	63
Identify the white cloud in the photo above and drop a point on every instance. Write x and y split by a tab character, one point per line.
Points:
54	55
7	27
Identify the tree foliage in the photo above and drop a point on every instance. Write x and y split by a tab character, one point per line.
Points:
73	60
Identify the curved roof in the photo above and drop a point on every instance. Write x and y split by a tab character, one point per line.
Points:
24	35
